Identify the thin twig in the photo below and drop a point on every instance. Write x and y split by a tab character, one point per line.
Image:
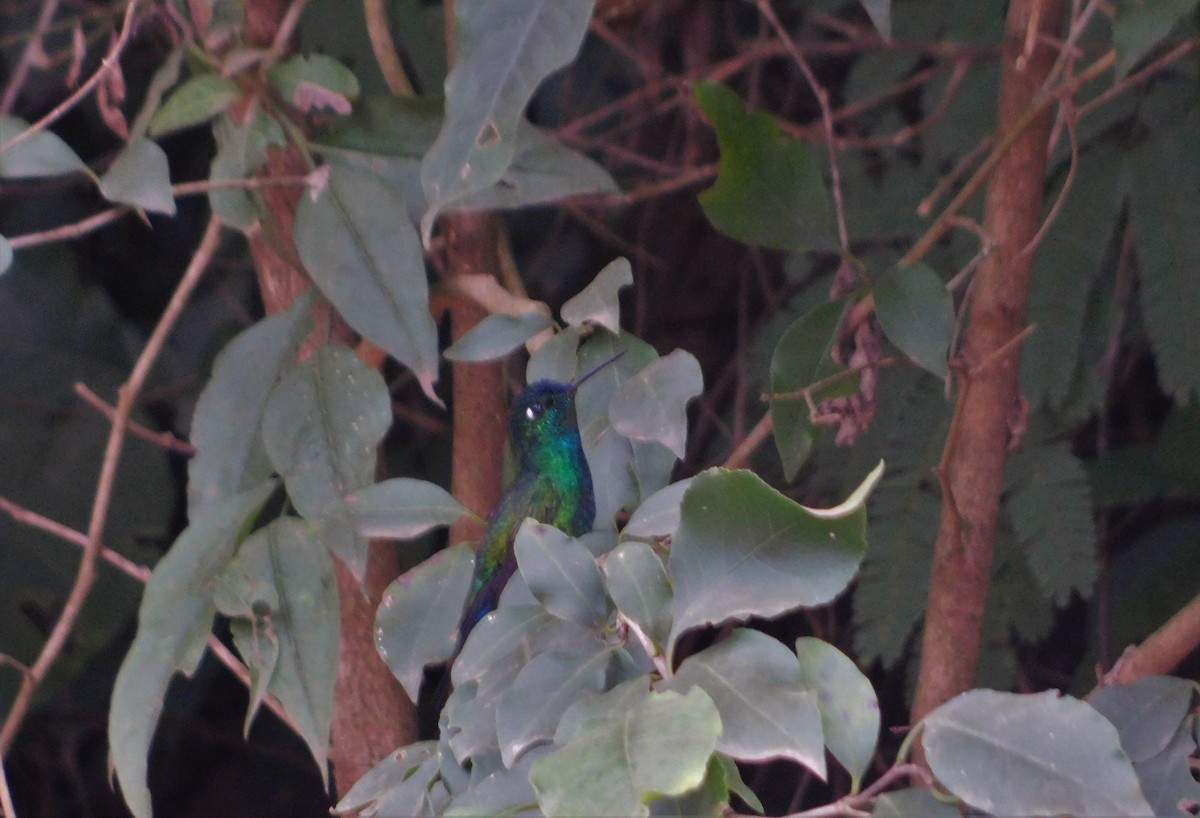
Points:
379	32
127	398
166	440
1138	77
1069	117
768	13
739	458
35	520
5	796
106	65
33	47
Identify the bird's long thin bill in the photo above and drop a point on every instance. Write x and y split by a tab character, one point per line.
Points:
579	381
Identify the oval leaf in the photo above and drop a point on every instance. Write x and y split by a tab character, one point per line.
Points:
496	336
561	573
42	154
638	584
652	405
849	707
658	515
417	621
402	508
917	313
140	177
743	549
196	101
1078	768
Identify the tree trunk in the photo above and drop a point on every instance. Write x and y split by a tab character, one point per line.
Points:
972	466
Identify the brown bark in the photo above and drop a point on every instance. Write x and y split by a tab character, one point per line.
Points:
1163	650
473	247
972	465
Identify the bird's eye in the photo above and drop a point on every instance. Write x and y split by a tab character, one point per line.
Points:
536	410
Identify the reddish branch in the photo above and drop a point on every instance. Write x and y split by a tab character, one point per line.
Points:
972	466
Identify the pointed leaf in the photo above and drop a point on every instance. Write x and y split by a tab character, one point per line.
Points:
743	549
175	619
529	711
1166	777
638	584
1077	768
766	709
42	154
880	12
366	259
503	52
613	766
388	774
321	426
652	405
6	255
561	572
139	176
597	303
917	313
402	508
194	102
497	336
512	633
849	707
801	358
769	189
417	622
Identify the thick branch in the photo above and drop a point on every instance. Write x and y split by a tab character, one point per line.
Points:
972	464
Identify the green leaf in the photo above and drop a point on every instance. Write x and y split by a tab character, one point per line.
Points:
555	359
766	709
504	639
611	703
638	584
735	784
658	515
562	573
849	707
364	256
743	549
417	622
384	777
6	255
139	176
1146	713
500	792
285	597
529	712
880	12
312	82
1139	26
598	302
917	314
402	508
1165	208
614	765
42	154
915	801
497	335
652	405
226	425
769	189
503	52
174	623
1077	768
801	358
321	426
1050	506
195	102
241	151
1166	778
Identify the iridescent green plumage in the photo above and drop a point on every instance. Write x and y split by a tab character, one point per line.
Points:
553	485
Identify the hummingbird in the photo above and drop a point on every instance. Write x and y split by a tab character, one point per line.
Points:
553	485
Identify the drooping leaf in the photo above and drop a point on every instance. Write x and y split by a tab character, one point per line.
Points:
417	622
402	508
497	336
6	255
917	314
597	303
1164	209
226	425
652	405
503	51
1050	506
42	154
241	151
366	259
174	622
613	766
1078	768
767	710
743	549
139	176
321	425
801	359
562	573
529	711
849	707
196	101
769	189
638	584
